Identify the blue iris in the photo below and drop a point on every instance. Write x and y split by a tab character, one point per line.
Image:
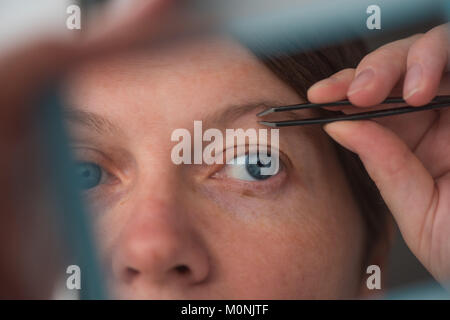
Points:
254	169
89	174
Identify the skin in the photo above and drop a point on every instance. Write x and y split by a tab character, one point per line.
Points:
231	235
421	175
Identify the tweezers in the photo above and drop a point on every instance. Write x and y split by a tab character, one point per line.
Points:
437	102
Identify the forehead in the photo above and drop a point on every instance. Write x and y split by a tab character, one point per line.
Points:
196	75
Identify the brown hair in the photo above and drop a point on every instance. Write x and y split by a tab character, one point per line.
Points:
300	71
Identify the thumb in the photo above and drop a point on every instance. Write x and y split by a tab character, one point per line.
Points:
404	183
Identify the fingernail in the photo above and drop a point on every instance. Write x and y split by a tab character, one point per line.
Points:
412	81
361	81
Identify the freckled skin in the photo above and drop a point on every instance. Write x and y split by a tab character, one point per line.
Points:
247	193
303	238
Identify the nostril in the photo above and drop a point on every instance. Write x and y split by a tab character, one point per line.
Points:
131	273
182	269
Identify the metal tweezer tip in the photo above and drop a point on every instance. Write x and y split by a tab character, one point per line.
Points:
263	113
269	124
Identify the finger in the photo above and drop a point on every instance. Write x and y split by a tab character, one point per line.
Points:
402	125
406	186
333	88
379	72
23	74
428	58
26	71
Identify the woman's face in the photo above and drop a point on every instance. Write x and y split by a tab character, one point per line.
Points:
203	231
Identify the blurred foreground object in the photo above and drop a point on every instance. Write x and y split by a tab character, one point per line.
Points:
43	225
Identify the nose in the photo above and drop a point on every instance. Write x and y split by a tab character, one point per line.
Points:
159	247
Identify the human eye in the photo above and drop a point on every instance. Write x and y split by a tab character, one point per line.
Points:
250	167
253	166
92	169
90	174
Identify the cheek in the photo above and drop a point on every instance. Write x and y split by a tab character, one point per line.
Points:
109	221
291	247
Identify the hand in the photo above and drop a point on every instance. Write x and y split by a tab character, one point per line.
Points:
24	72
407	156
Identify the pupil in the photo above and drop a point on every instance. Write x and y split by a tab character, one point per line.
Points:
89	175
255	169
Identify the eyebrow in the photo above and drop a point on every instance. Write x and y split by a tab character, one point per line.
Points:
92	121
231	113
224	116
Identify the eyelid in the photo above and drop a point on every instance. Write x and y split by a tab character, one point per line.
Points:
248	149
282	156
